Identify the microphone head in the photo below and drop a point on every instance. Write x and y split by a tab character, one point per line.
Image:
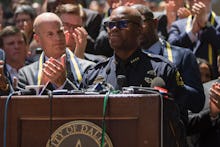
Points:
121	80
158	82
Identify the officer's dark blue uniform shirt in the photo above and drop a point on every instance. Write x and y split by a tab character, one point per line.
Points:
139	69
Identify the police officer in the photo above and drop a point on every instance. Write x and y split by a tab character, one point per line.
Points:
139	68
184	59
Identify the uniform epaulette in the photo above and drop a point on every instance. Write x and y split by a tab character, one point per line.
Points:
158	58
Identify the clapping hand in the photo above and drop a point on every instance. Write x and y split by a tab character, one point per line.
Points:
199	10
215	99
80	37
54	71
171	12
183	12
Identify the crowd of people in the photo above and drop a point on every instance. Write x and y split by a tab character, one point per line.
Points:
73	45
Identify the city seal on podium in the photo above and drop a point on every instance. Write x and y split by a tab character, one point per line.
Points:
78	133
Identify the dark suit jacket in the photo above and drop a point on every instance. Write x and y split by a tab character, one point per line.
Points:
162	26
210	35
92	26
208	133
28	74
205	134
102	46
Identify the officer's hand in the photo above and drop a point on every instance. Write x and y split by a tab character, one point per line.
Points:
55	71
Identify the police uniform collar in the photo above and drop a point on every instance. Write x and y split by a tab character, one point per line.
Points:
155	48
132	60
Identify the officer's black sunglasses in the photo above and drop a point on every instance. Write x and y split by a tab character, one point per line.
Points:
120	24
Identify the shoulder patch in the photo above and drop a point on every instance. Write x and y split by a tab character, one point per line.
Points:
179	79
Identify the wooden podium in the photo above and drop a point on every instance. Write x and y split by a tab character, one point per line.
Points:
132	120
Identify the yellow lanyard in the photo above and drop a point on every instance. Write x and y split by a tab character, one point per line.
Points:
169	52
212	21
73	62
39	76
210	53
75	65
188	23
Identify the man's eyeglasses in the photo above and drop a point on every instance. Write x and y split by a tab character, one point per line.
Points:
120	24
69	26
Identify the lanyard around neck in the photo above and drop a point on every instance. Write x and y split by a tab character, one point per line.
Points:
76	68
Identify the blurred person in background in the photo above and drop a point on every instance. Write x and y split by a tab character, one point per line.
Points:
199	32
37	7
76	36
99	6
14	43
1	17
205	126
92	21
174	9
73	18
24	16
205	70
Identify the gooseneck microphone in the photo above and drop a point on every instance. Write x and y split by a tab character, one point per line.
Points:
159	84
121	80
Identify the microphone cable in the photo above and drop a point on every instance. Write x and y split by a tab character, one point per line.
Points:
50	96
5	118
104	114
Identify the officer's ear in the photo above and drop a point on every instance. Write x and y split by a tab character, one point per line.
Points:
139	30
155	22
36	37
